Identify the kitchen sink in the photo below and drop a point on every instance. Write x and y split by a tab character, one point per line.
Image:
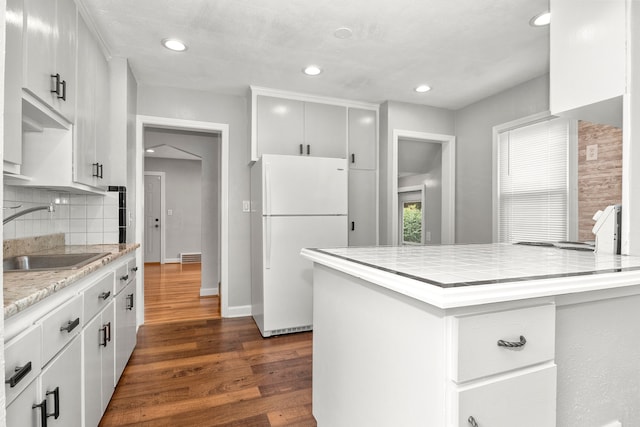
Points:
50	262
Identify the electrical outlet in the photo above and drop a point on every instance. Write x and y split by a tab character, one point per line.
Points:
170	212
246	206
427	236
592	152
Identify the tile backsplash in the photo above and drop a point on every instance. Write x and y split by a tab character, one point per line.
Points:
84	219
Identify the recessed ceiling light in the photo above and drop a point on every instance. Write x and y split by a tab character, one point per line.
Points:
174	44
343	33
150	150
312	70
540	20
422	89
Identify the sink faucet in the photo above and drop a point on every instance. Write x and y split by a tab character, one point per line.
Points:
48	208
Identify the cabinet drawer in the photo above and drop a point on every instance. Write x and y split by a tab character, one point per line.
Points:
60	326
523	400
98	296
123	277
476	349
23	361
132	267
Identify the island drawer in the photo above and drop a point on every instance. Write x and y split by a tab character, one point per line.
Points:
60	326
23	361
490	343
98	295
523	399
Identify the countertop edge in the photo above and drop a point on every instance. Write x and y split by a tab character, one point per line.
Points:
72	277
445	298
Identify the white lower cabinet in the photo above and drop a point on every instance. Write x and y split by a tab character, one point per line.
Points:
523	400
61	366
125	326
61	387
99	356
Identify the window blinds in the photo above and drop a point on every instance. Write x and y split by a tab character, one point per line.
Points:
533	183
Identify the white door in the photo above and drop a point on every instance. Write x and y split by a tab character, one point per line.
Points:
288	277
152	216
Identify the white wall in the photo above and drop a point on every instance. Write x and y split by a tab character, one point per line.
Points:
474	142
183	196
231	110
412	117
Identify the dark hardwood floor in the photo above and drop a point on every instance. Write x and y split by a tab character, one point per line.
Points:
209	371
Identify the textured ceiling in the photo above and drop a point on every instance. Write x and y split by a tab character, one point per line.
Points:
465	50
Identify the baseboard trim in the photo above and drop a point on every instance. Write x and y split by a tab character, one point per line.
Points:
208	292
172	260
239	311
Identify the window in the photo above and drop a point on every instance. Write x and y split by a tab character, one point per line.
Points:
533	182
412	222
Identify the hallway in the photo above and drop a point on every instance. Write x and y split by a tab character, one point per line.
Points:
192	368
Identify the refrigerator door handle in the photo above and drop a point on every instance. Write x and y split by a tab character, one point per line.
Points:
267	249
267	189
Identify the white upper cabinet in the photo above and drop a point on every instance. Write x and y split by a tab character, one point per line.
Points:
325	130
12	87
587	52
363	131
280	125
49	55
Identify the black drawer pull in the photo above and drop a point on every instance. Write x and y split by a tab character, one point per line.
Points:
105	295
43	412
125	277
472	422
130	302
71	325
21	372
56	402
134	269
512	344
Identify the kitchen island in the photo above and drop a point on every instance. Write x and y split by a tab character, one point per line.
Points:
464	335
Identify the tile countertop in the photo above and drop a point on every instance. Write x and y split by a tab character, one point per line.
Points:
457	275
24	289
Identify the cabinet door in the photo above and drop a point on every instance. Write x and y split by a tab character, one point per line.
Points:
85	131
525	400
362	139
13	85
280	125
125	327
65	56
325	130
39	60
362	208
101	117
64	375
21	411
108	357
92	340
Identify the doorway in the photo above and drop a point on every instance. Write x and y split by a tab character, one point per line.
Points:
153	209
219	226
402	181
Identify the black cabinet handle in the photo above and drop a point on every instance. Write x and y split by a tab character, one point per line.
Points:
108	325
56	402
70	326
301	152
64	91
472	422
104	336
21	372
57	84
134	269
512	344
130	302
353	158
353	226
97	169
308	149
105	295
125	277
100	175
43	412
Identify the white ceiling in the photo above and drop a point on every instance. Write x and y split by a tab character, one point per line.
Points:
465	50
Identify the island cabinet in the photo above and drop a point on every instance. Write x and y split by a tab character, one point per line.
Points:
588	52
61	352
50	53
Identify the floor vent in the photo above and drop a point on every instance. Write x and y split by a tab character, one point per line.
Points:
190	257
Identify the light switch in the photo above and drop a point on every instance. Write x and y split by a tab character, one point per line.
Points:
170	212
246	206
592	152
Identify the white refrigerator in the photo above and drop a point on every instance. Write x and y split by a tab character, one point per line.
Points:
296	202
